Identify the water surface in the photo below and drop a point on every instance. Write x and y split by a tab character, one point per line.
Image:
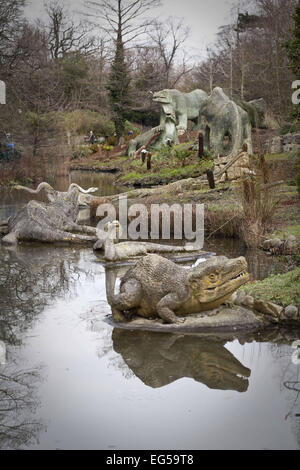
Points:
72	381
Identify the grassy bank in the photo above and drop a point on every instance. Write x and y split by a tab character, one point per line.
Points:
281	289
167	165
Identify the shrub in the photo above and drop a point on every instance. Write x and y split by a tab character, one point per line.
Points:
81	122
81	152
93	148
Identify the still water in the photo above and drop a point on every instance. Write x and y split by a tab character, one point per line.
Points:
72	381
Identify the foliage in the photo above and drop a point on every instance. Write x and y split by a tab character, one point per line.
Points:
259	207
93	148
73	69
182	155
282	289
298	175
81	122
118	87
287	129
81	152
293	45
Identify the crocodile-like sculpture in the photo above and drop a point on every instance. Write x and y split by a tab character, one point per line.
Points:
52	222
157	287
129	249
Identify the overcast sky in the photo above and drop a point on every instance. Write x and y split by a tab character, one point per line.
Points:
202	16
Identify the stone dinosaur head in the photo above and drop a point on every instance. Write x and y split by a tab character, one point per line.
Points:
165	98
215	280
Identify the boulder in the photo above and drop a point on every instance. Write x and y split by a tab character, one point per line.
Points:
290	313
268	308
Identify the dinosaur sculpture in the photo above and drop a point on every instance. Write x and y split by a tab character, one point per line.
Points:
168	133
180	107
225	125
157	287
177	107
52	222
114	251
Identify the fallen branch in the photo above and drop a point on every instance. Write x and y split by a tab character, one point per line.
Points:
153	137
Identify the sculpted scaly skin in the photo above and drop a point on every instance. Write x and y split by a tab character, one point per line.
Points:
52	222
157	287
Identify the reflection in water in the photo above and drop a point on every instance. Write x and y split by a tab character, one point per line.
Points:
88	379
29	279
18	402
159	359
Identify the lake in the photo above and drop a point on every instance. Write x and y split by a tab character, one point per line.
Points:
73	381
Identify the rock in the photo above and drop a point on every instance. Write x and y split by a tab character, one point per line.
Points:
272	243
290	245
248	301
239	297
276	145
268	308
290	313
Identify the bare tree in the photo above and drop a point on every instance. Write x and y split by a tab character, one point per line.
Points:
168	37
124	21
126	18
64	35
11	22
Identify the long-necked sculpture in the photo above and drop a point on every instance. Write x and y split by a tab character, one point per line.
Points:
114	251
54	221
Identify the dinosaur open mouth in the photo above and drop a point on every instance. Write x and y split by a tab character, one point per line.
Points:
238	276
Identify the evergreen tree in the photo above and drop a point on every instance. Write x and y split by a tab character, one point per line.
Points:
293	45
119	86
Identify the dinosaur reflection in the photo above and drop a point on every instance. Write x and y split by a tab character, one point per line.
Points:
159	359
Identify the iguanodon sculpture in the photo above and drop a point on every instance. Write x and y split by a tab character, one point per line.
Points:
157	287
177	109
225	125
52	222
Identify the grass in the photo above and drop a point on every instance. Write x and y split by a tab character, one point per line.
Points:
293	229
281	289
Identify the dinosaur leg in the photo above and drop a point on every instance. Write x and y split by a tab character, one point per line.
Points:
128	298
73	227
165	309
49	235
